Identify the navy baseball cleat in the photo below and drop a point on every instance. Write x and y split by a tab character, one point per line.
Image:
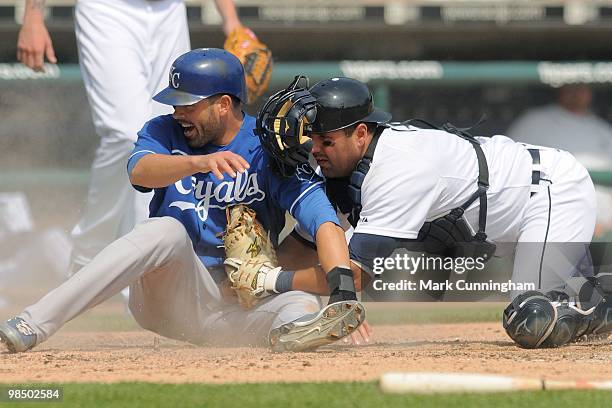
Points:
330	324
17	335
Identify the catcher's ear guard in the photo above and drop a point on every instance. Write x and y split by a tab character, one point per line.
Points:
283	124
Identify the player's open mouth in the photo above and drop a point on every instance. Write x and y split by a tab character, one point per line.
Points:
189	130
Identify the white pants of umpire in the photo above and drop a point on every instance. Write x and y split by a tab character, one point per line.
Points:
126	48
558	225
171	292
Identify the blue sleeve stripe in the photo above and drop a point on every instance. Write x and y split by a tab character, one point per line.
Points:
131	163
141	151
302	195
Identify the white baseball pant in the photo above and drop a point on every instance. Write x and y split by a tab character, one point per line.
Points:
558	224
126	48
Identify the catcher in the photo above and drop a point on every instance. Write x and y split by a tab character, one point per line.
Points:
444	191
201	161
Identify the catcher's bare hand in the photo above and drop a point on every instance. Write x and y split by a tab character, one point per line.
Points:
362	335
34	43
222	162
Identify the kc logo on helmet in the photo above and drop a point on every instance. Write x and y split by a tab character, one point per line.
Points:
174	77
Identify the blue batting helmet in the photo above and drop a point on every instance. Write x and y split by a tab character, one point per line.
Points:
201	73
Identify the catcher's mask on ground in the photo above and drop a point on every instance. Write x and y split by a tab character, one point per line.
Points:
282	126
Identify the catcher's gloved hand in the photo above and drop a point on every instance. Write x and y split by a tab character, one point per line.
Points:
251	259
256	59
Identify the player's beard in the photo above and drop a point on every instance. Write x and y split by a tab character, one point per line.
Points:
208	132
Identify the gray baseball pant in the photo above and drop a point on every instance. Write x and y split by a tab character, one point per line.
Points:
171	292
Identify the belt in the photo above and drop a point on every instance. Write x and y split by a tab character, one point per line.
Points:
536	171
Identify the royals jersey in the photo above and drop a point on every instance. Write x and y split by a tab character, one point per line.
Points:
199	201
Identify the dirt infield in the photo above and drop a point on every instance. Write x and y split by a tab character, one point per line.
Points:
138	355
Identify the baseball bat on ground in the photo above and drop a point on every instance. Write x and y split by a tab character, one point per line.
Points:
434	383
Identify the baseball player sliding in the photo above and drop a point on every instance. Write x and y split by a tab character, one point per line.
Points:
446	192
125	47
205	165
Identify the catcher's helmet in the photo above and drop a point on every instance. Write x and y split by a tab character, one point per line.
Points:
201	73
342	102
282	125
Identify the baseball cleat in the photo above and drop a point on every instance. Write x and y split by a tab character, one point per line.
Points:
17	334
330	324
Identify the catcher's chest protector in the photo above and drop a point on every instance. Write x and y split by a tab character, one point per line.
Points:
449	235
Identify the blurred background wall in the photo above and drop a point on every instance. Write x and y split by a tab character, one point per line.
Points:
424	58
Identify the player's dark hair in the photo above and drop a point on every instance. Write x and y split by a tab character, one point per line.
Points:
235	100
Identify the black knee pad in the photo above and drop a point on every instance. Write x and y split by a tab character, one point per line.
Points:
582	307
529	319
570	325
589	300
602	320
602	317
533	320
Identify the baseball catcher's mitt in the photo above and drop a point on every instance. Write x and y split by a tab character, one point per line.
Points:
250	257
256	59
